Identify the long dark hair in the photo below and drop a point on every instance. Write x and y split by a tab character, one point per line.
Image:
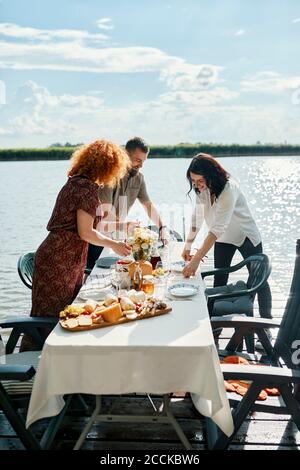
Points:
215	175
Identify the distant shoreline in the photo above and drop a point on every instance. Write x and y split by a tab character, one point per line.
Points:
162	151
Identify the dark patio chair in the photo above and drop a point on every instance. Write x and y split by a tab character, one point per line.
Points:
238	298
17	372
283	371
25	268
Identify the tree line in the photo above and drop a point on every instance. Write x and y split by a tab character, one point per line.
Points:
159	151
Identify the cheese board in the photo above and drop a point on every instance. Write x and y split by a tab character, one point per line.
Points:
118	322
133	306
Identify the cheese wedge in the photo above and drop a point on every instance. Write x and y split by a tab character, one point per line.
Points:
112	313
97	312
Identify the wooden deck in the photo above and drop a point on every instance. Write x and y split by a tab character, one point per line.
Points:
260	431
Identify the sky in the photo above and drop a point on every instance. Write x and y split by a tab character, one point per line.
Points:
170	71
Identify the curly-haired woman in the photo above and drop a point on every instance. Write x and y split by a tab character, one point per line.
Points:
61	258
223	206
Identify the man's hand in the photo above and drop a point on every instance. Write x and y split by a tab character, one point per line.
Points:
164	235
130	226
186	254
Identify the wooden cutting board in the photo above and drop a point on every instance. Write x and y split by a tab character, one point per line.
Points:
122	320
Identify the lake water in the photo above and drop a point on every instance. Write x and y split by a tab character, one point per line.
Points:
29	190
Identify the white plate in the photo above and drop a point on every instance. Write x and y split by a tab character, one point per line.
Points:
177	266
183	289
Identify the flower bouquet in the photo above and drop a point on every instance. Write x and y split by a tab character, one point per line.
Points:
142	241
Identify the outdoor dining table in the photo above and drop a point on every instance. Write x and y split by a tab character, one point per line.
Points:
156	356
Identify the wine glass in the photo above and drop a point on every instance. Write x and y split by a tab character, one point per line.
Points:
160	266
161	280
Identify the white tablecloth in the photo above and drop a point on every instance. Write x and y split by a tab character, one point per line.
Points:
173	352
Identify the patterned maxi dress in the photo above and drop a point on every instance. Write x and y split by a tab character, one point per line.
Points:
61	258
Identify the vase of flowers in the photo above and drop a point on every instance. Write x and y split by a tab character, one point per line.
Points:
142	241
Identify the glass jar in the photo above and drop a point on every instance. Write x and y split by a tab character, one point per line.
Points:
141	254
148	285
122	277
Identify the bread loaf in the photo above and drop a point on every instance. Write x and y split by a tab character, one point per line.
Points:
145	266
110	299
136	296
126	304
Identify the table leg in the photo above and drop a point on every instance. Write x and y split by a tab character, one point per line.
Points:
175	424
89	424
167	417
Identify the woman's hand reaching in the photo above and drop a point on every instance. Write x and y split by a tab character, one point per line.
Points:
191	268
121	248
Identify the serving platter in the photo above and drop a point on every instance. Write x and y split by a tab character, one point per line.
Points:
122	320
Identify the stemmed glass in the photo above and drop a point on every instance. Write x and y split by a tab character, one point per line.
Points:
161	279
165	269
117	280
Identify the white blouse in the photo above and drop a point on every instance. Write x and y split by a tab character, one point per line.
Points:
228	218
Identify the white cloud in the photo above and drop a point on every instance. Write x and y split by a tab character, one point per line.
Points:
196	105
195	99
2	93
105	23
64	56
66	50
296	20
34	110
34	34
270	82
183	76
240	32
37	117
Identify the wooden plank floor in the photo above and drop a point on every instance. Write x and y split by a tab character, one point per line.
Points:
260	431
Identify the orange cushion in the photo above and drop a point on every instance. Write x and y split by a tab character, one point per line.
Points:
241	387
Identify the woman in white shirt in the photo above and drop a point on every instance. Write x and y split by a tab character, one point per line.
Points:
223	206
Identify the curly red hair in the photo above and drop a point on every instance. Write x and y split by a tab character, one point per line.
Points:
101	161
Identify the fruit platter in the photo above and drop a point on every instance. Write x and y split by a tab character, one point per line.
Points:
112	311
